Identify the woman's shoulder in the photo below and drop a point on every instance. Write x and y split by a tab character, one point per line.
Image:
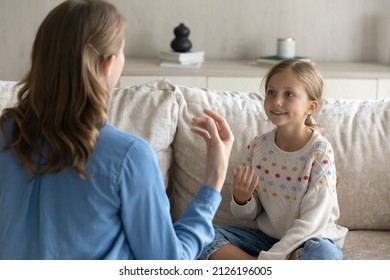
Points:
5	130
116	141
115	136
115	146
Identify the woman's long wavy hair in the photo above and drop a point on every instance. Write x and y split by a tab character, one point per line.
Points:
309	75
62	100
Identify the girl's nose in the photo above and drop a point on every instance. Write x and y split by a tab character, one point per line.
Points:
277	101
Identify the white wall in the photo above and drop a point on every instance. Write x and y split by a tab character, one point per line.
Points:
326	30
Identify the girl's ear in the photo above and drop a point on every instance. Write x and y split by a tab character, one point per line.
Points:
106	65
312	107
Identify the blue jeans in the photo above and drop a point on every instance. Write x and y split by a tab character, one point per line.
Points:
253	241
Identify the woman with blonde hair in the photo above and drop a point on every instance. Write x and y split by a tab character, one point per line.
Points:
73	186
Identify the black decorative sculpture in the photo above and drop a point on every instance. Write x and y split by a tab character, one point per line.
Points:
181	43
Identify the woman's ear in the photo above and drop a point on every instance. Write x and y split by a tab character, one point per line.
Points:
106	65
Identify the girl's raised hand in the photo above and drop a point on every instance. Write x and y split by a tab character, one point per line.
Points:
244	184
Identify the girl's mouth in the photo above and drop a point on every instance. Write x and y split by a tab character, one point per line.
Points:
278	113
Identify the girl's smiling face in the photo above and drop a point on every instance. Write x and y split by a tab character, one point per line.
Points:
287	103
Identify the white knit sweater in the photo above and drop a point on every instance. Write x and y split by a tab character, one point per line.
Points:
296	198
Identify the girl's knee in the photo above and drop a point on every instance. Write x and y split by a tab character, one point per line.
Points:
319	249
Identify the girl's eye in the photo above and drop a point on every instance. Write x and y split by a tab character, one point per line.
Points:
289	94
270	92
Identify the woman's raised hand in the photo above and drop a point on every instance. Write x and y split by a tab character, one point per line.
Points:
219	141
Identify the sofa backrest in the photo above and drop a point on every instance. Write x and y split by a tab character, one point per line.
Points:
360	135
8	94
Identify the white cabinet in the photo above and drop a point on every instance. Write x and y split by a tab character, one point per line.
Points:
356	89
383	88
245	84
201	82
357	81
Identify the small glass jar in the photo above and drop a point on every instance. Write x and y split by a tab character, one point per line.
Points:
286	47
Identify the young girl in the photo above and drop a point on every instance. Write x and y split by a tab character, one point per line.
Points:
287	181
71	185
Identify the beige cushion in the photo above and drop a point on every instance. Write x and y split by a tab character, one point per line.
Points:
8	94
360	135
149	111
245	115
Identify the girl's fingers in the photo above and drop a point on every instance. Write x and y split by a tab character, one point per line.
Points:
244	174
244	184
247	179
254	184
236	177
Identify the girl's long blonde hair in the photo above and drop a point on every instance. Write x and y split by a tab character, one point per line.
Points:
309	75
62	100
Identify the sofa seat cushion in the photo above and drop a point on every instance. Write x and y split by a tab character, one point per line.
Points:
378	243
149	111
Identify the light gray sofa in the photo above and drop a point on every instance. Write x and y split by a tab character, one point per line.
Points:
161	112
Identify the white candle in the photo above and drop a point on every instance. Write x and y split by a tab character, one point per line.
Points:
286	47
